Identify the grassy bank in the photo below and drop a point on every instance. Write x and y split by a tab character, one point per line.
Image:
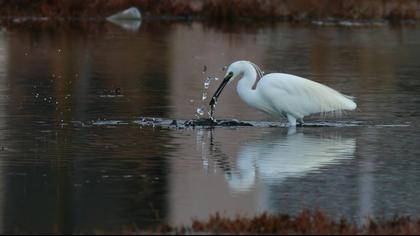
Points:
304	223
221	9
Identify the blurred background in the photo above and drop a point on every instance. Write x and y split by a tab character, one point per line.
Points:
220	9
73	85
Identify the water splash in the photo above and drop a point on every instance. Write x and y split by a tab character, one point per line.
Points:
207	83
210	113
201	109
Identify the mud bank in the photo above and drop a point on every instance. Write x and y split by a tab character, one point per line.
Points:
222	10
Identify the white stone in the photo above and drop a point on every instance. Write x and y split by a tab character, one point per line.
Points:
131	13
129	19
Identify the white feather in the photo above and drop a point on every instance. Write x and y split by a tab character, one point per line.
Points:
287	95
301	97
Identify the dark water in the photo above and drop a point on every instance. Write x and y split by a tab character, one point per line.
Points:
73	159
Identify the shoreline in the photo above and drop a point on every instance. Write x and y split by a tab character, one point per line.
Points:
328	22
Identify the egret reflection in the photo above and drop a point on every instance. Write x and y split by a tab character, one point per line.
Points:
278	155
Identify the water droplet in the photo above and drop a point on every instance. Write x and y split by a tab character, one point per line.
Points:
200	111
207	83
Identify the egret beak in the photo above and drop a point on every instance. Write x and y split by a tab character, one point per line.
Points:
220	89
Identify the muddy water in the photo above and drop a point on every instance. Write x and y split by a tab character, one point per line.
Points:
73	157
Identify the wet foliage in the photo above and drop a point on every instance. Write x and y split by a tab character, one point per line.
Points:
305	223
220	9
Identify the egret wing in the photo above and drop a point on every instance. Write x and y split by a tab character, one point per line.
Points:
300	97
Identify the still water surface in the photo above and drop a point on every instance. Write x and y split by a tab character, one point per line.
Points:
72	158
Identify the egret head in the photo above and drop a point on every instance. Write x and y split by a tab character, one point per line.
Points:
237	69
232	72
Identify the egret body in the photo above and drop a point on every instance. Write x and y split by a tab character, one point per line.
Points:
282	95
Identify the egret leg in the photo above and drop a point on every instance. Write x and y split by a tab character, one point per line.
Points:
301	122
291	130
292	120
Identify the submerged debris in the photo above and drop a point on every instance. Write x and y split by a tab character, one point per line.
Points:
211	122
201	122
232	123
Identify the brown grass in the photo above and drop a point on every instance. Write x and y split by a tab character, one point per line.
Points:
220	9
304	223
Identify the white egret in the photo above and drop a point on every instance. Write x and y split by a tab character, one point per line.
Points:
282	95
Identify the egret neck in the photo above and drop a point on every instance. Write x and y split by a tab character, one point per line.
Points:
245	86
248	79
